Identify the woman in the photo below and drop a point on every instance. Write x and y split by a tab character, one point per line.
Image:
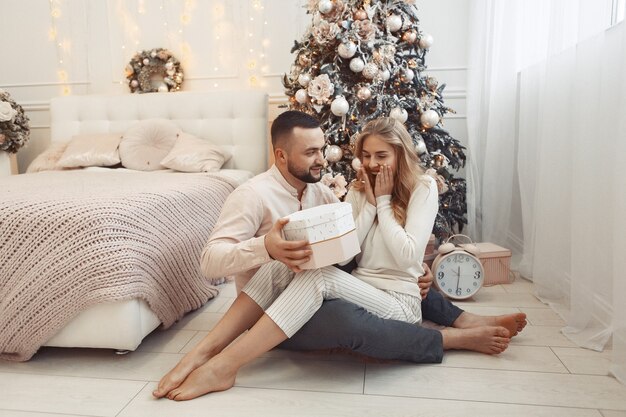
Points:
394	205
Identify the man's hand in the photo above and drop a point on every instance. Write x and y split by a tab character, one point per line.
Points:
425	281
291	253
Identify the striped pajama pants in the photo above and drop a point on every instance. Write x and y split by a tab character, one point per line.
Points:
291	299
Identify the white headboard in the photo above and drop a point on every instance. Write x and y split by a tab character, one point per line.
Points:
236	120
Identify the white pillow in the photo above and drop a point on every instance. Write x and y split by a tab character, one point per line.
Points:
192	154
146	143
48	159
92	150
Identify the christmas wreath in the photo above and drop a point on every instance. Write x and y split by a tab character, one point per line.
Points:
14	130
154	70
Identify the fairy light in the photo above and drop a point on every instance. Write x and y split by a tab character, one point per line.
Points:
185	20
255	60
63	47
129	25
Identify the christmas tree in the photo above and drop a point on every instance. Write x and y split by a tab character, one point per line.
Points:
361	60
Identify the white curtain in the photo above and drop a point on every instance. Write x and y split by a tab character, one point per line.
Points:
547	139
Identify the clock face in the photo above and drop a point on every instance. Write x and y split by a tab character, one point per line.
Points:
459	275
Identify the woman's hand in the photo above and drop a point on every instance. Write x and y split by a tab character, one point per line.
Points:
384	181
367	186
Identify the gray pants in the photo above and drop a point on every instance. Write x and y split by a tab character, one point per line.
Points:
356	329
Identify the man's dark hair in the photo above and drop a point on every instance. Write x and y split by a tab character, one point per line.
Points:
284	124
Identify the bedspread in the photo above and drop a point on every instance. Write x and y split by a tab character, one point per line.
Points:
73	239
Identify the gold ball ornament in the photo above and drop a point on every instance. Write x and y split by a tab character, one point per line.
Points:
409	36
370	71
360	15
364	93
304	60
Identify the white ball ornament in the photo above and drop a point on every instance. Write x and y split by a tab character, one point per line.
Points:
339	106
426	41
325	6
302	96
407	75
333	153
304	79
134	83
162	89
429	119
357	64
393	23
364	93
420	147
399	114
385	74
356	163
146	61
346	49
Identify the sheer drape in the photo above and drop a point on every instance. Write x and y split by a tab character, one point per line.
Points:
547	114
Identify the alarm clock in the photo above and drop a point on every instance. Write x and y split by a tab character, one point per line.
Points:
458	272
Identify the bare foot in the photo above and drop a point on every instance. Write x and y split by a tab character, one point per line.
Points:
215	375
514	323
487	339
176	376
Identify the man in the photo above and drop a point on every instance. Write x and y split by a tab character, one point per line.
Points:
248	235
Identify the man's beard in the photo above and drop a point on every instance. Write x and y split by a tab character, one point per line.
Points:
305	176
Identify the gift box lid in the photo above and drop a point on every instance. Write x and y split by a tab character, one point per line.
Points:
491	250
318	215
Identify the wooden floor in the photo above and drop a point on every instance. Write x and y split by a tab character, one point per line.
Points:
541	374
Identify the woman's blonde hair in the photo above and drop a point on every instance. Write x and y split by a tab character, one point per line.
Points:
408	171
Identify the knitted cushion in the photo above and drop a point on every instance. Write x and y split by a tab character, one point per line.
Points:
92	150
192	154
146	143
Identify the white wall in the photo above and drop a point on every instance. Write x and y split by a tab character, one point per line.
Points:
223	46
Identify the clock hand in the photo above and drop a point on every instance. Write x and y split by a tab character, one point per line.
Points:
458	278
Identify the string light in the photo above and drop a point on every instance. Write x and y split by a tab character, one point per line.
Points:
63	47
130	26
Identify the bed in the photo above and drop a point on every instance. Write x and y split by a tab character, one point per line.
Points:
119	311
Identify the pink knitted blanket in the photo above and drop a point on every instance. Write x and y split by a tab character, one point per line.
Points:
73	239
